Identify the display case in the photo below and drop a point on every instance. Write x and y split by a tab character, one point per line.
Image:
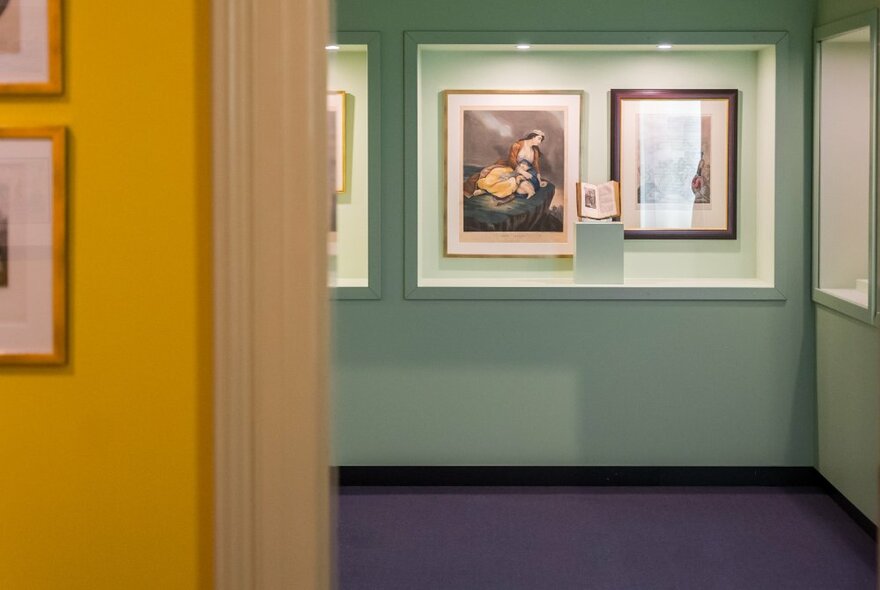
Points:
442	67
845	167
354	128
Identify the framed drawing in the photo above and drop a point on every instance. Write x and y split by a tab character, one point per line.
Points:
336	135
511	172
674	153
33	327
30	46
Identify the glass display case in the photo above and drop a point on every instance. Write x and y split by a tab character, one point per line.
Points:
845	169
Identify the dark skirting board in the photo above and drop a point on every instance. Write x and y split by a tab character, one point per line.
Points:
599	476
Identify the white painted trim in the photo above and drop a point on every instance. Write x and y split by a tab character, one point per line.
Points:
233	549
272	478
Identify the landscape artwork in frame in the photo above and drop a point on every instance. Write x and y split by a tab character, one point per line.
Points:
674	153
512	165
32	246
30	46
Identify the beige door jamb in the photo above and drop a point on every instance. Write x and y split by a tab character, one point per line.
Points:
272	479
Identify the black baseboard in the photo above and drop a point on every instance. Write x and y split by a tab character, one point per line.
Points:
579	476
854	513
600	476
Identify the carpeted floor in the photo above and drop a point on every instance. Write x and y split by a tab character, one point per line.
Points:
744	538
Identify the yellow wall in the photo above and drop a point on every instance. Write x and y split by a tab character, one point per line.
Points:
105	464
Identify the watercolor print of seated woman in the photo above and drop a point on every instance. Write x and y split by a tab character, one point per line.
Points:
518	174
511	193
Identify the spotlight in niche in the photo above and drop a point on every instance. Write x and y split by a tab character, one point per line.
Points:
332	47
664	46
523	46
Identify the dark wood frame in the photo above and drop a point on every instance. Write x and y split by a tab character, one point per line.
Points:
732	96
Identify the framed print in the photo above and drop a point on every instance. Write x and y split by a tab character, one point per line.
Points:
336	134
674	153
30	46
511	172
33	327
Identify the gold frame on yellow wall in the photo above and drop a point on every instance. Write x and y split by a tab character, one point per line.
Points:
16	337
37	44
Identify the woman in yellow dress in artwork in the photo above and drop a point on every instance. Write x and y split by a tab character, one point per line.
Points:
518	174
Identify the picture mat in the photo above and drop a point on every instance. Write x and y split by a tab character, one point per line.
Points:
510	243
332	124
26	303
349	266
10	27
752	70
516	122
31	63
670	215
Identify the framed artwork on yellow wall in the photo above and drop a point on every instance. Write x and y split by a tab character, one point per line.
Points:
33	325
30	46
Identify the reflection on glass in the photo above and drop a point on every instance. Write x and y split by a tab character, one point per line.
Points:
673	149
844	165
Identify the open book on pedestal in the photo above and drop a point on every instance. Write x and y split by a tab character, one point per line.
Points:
598	201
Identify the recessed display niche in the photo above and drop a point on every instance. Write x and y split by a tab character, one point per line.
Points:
353	141
439	65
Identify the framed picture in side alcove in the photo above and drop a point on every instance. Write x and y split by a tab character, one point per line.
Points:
336	135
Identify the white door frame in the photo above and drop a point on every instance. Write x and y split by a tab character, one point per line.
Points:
272	474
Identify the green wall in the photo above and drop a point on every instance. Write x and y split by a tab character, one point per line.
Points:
832	10
848	374
580	382
848	379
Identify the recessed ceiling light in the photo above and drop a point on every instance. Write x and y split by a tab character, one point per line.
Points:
664	46
332	47
523	46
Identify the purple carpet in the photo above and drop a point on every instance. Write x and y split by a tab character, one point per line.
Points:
743	538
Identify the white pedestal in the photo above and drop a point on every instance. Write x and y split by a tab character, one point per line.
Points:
598	254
